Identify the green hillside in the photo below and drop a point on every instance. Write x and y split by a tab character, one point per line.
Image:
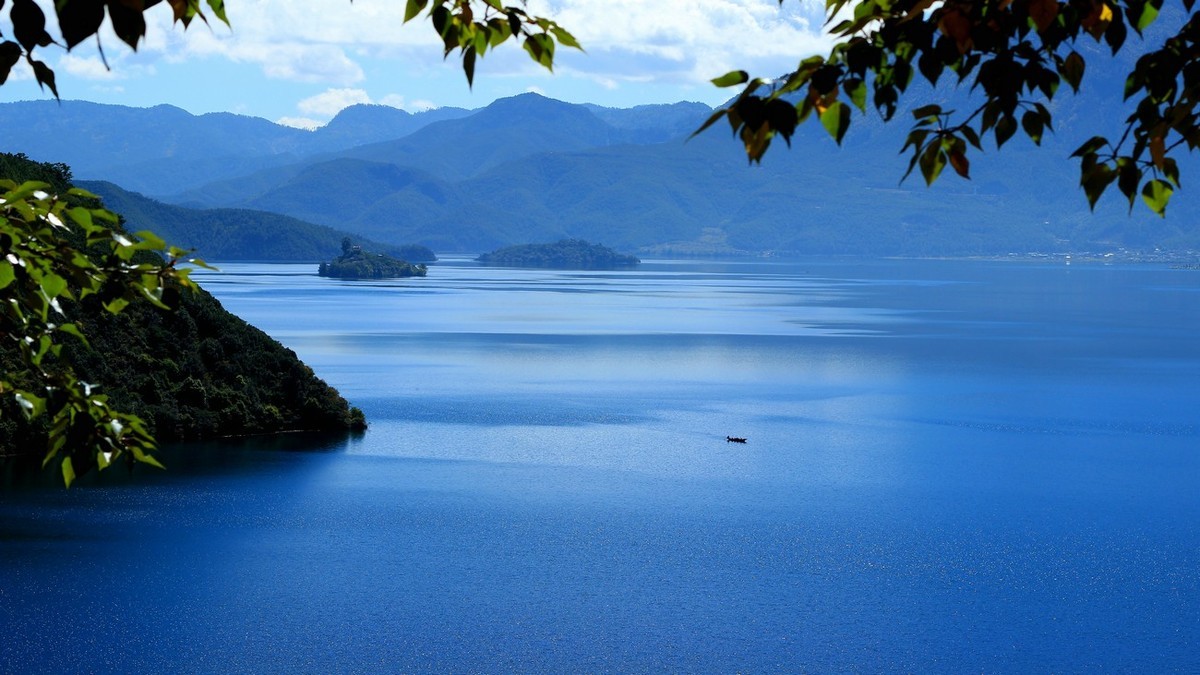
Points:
191	373
231	234
571	254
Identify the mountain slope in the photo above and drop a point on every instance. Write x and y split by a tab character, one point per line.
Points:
226	234
166	150
196	371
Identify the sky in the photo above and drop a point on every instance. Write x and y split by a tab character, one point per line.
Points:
299	62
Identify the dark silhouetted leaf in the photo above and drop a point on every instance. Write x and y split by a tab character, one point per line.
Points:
1072	70
79	19
45	76
29	24
1006	126
10	53
958	160
128	23
1031	122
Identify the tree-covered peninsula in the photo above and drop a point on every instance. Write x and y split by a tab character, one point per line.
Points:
573	254
355	263
193	371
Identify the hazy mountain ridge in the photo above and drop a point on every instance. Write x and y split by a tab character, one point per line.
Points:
226	234
530	168
167	150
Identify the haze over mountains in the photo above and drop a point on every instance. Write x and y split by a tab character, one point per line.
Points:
532	169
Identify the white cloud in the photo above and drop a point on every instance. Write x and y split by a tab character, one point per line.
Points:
21	72
88	68
320	108
331	101
299	122
93	68
688	41
393	100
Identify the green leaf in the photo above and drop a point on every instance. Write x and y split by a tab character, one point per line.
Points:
1156	194
564	38
7	273
1147	17
218	8
31	405
72	329
68	471
836	120
82	217
932	162
856	89
116	305
412	9
732	78
144	458
53	285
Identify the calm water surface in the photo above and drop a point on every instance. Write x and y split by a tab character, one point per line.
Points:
951	467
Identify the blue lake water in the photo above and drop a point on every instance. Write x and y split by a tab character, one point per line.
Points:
951	467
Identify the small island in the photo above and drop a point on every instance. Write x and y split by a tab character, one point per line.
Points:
574	254
355	263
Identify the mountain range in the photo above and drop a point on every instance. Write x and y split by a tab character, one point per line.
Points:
532	169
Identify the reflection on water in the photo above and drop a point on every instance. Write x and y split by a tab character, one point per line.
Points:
951	467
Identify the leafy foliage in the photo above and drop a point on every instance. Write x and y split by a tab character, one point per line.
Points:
474	26
62	250
86	303
573	254
1018	53
355	263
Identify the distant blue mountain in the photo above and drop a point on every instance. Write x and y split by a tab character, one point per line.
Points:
166	150
231	234
700	196
529	168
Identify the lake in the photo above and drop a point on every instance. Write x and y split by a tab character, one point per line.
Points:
951	466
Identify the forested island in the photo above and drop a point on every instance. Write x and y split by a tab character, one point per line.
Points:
575	254
193	372
355	263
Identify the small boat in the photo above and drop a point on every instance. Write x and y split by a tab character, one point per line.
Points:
734	439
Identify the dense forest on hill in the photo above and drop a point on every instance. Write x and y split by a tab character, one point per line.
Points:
194	372
355	263
574	254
